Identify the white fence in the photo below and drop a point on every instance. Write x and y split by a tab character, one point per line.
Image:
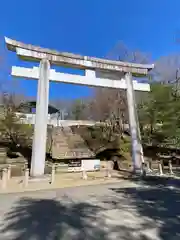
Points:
29	118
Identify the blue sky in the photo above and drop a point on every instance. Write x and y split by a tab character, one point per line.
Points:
88	27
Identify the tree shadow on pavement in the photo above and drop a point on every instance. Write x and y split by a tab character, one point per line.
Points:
156	201
46	219
49	219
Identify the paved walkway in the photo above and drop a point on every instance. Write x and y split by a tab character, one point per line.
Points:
122	211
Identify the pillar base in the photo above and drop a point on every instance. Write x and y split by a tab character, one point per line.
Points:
39	178
137	172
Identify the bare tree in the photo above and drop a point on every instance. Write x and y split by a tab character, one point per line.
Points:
12	128
166	67
110	104
122	53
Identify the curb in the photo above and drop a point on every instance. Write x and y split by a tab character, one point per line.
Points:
86	183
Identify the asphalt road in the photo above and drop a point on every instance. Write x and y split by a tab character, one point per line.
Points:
120	211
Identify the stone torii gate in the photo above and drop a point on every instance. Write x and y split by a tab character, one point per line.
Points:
113	74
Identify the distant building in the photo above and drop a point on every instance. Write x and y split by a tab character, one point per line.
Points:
27	112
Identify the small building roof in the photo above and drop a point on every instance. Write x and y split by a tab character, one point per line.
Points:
32	104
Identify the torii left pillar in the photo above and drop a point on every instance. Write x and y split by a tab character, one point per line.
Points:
40	128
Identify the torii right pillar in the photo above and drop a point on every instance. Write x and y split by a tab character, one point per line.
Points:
137	153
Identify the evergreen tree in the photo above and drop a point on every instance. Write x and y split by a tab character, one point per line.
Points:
159	116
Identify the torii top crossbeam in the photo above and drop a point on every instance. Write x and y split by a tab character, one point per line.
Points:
35	53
